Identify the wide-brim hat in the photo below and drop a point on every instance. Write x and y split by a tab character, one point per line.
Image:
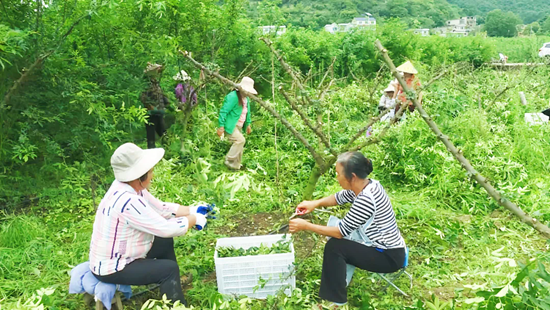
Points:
247	84
153	69
181	76
389	89
407	68
130	162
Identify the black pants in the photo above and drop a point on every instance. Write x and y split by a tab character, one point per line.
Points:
339	252
160	266
155	124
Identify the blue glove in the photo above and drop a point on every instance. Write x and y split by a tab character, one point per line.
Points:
206	210
200	224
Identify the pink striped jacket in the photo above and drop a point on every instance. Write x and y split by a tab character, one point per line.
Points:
125	226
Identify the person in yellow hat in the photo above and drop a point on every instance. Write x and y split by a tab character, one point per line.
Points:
409	74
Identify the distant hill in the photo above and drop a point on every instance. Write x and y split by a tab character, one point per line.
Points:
417	13
529	10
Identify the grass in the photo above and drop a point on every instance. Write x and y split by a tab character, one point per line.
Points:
460	241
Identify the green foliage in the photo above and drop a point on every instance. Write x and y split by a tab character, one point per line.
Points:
546	26
61	127
502	24
528	10
528	290
279	247
316	14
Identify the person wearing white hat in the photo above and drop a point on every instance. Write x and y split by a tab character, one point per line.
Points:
234	116
184	91
409	72
132	240
387	102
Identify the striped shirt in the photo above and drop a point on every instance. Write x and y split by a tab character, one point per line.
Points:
125	225
383	232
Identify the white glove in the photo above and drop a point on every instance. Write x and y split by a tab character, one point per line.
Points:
200	223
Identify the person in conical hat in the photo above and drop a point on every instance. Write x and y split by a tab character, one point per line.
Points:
407	67
234	116
409	75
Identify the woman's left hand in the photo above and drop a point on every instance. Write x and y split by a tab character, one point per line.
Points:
248	130
297	225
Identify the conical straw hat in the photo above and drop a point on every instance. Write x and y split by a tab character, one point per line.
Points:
407	68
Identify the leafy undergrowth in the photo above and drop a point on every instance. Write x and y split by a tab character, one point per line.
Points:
466	252
452	256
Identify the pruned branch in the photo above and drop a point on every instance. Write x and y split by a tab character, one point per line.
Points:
304	118
288	69
318	159
37	63
381	135
327	72
23	78
471	172
361	131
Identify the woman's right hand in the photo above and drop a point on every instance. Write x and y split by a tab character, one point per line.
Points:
306	207
220	131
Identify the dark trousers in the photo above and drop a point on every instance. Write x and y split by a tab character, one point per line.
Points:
160	266
339	252
155	124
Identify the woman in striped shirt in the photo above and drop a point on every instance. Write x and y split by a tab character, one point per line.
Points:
132	241
379	247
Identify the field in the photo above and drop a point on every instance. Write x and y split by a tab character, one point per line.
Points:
464	248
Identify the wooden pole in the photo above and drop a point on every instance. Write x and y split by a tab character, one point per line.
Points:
471	172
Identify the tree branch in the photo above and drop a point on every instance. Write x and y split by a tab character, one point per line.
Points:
381	135
24	77
326	73
361	131
471	172
295	107
288	69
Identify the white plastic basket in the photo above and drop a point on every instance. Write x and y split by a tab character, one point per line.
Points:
535	118
241	275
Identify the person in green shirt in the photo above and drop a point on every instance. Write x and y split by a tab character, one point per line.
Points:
234	116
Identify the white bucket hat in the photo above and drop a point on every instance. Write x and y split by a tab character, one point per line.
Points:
389	89
130	162
181	76
247	85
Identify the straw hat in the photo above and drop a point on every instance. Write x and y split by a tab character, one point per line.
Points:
181	76
130	162
247	85
389	89
407	68
153	69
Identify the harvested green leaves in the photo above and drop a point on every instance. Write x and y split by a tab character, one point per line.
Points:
281	246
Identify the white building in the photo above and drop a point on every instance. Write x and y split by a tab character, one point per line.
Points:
363	21
366	22
467	21
425	32
457	27
332	28
278	30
